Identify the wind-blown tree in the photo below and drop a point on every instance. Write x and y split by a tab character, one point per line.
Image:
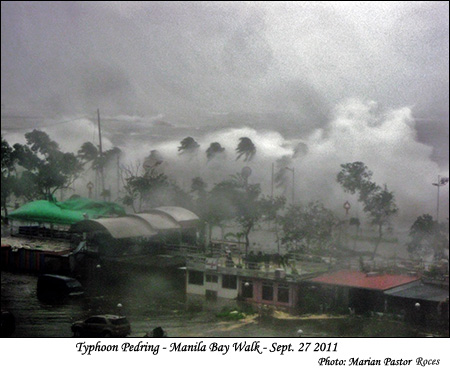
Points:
89	153
245	198
218	207
151	189
188	146
270	208
140	190
235	199
198	186
308	228
427	237
8	176
211	207
354	221
281	177
154	160
245	148
214	150
46	168
379	203
380	206
300	150
356	178
40	142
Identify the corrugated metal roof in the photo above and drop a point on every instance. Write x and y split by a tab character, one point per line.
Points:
358	279
119	228
425	292
142	224
159	221
183	216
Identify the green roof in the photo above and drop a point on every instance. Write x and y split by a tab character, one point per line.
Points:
67	212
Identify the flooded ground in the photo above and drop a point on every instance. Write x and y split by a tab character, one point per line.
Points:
158	299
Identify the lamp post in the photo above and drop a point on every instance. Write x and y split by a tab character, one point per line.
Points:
293	182
441	182
347	207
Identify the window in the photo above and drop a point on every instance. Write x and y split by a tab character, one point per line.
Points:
212	278
195	277
229	281
247	289
267	291
283	293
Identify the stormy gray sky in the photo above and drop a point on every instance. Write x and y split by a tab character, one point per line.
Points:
353	80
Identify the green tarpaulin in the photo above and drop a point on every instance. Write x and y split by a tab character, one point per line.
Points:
67	212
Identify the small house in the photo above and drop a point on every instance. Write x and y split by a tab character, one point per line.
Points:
355	290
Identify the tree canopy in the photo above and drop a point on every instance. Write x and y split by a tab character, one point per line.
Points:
45	168
214	150
152	189
379	202
9	182
245	148
427	237
308	228
188	146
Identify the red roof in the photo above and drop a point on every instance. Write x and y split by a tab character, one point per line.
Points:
358	279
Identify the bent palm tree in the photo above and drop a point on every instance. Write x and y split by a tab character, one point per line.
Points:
214	150
154	160
90	153
246	148
281	175
188	145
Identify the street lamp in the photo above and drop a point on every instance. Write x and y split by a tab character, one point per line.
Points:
293	182
441	182
347	207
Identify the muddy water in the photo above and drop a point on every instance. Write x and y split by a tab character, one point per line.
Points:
158	299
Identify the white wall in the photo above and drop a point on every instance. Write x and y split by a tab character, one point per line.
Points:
221	292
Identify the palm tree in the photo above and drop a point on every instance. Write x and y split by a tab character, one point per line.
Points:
198	185
300	150
281	176
246	148
213	150
188	145
154	160
90	153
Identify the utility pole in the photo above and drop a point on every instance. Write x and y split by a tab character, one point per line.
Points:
102	177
